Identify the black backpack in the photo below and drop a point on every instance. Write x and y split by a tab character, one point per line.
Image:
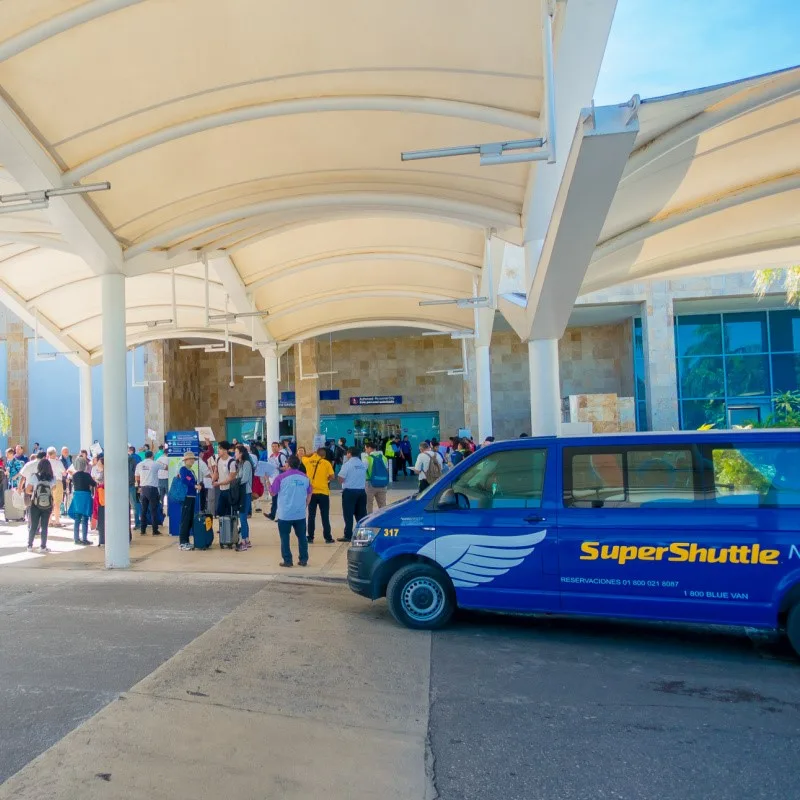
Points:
235	488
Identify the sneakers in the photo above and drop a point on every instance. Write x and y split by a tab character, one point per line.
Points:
247	543
30	548
45	550
343	539
186	547
303	563
241	547
284	564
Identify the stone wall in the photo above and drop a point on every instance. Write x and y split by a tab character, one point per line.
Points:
597	360
182	402
398	366
593	360
511	391
17	366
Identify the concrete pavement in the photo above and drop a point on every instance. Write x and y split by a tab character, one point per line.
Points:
297	693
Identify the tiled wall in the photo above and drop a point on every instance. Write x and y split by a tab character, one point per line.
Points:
593	360
597	359
398	366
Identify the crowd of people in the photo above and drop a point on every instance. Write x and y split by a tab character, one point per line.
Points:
45	487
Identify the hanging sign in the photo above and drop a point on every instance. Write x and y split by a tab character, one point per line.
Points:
377	400
328	394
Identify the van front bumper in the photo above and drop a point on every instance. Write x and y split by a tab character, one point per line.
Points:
362	563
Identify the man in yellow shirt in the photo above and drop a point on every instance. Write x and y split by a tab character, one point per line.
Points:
319	471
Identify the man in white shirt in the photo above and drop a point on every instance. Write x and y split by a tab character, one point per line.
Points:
58	489
163	476
225	473
146	477
423	465
26	473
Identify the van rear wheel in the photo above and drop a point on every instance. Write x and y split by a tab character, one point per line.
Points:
421	596
793	627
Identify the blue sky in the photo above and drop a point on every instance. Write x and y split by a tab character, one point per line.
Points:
663	46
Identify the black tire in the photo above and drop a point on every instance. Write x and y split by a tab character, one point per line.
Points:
793	627
425	588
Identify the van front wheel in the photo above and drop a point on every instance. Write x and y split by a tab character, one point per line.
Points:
793	627
420	596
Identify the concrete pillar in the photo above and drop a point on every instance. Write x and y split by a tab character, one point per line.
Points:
545	387
483	378
17	367
115	421
659	342
307	393
271	408
86	434
471	391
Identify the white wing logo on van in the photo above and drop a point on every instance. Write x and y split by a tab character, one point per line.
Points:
474	559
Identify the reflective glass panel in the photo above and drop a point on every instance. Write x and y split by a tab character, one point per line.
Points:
701	377
747	375
699	335
785	372
695	413
745	332
784	330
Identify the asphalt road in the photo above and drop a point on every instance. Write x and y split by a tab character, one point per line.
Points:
70	644
566	709
520	708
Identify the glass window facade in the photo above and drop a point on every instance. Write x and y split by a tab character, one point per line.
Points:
731	365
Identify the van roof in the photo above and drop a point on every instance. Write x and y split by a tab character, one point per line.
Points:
642	437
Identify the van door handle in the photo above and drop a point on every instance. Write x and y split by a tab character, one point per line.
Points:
535	518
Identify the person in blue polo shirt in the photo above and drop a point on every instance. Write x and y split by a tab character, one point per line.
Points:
353	477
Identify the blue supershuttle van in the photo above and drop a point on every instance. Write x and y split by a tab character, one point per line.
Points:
699	527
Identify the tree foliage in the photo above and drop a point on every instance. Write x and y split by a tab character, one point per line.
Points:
5	420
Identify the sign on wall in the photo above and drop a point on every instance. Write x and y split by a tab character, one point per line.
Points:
377	400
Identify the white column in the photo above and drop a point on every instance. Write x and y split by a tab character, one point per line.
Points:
483	378
115	422
545	387
272	411
86	438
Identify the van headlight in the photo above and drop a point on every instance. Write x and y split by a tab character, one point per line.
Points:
363	536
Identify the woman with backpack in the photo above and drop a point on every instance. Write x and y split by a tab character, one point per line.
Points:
80	507
40	487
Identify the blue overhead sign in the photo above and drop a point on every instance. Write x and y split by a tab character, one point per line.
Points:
377	400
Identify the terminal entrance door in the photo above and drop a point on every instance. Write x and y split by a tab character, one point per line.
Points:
375	429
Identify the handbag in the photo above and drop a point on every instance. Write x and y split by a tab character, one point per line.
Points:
18	501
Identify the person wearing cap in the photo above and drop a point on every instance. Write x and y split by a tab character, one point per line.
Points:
187	477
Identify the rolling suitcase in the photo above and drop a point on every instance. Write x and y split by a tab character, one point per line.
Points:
203	531
14	506
228	532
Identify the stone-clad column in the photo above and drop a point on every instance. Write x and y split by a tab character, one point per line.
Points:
17	365
659	340
155	394
306	394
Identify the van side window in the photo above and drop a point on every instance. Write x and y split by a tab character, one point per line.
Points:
504	479
636	476
755	475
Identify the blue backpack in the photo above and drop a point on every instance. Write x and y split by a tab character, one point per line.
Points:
379	477
178	490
